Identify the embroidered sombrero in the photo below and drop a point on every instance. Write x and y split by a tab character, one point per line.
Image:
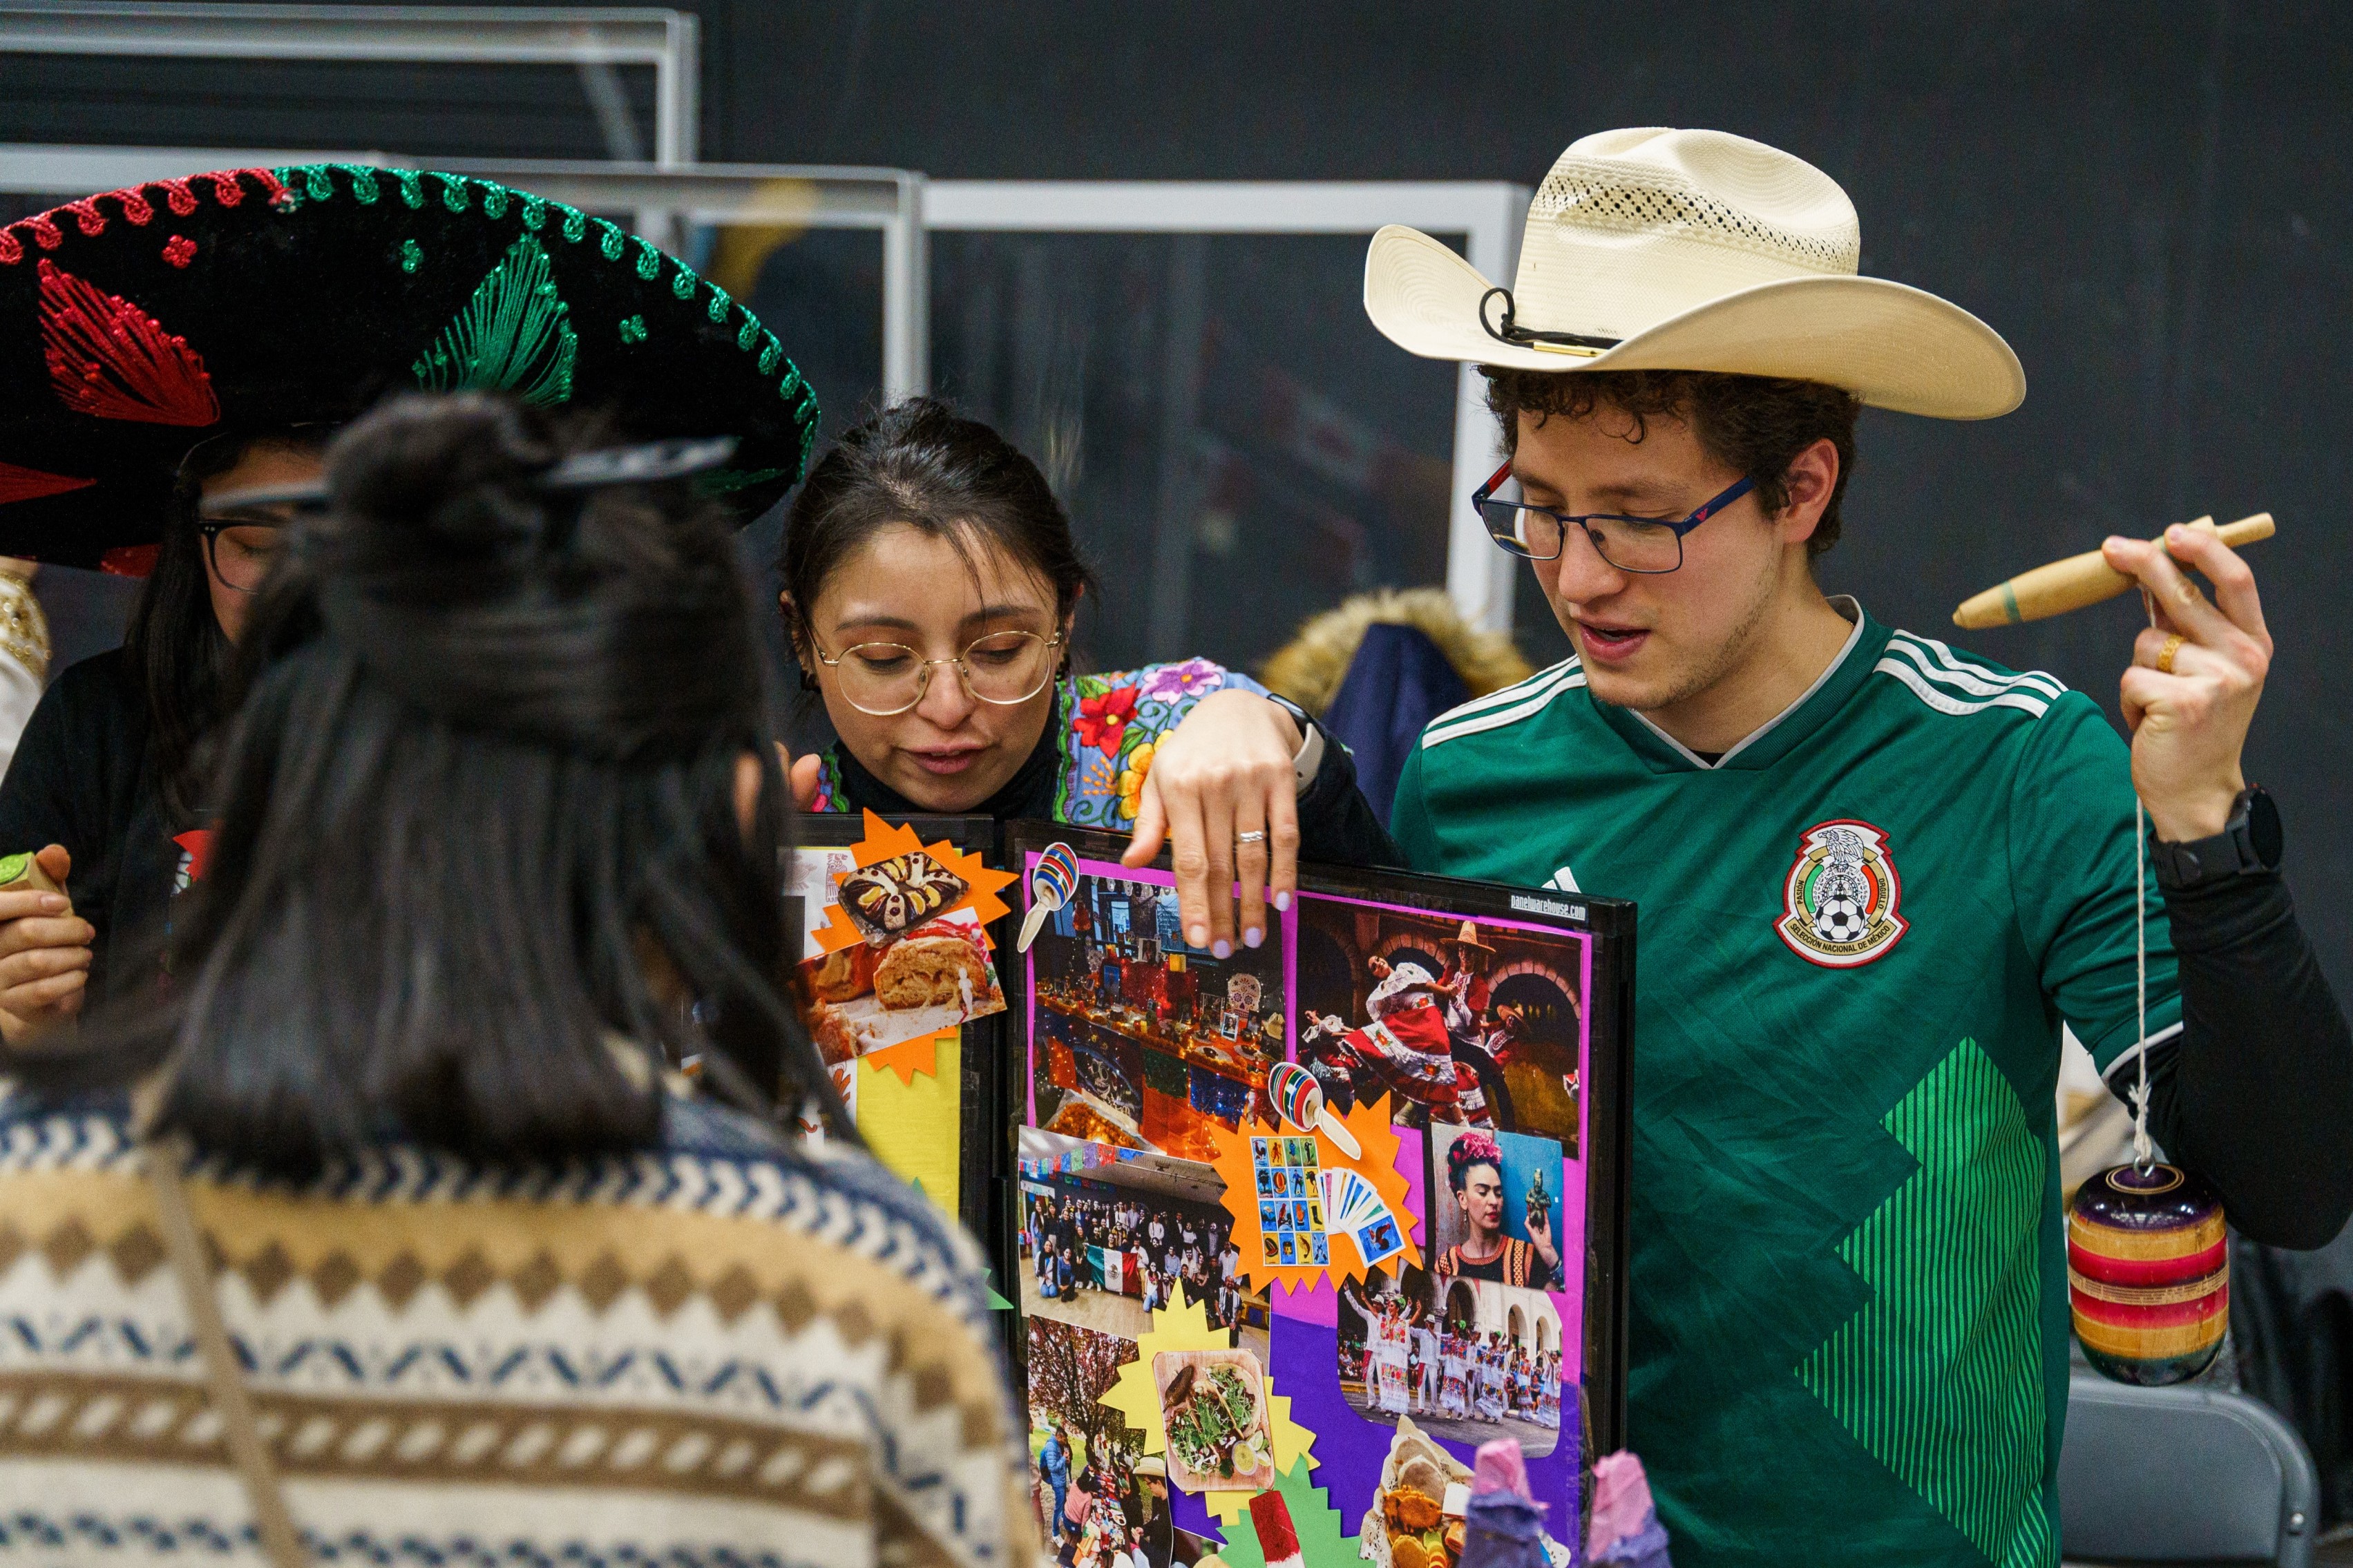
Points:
140	322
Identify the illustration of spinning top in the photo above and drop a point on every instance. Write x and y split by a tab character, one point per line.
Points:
1050	886
1300	1101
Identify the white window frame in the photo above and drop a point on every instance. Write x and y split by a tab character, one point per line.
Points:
1488	214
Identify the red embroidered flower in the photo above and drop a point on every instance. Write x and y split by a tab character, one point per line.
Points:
1103	720
179	250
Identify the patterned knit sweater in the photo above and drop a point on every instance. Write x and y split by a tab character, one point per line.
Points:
706	1353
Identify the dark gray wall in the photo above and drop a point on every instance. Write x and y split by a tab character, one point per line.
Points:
2149	200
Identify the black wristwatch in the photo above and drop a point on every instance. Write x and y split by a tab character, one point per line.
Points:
1309	759
2249	845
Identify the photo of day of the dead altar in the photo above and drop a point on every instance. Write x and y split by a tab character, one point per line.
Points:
1327	1213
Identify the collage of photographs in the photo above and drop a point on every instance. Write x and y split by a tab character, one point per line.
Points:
1144	1051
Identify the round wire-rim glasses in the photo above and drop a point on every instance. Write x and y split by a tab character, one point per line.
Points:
1023	667
1650	546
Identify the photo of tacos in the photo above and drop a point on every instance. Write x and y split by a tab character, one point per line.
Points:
1213	1405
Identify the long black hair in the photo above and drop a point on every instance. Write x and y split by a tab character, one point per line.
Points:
480	788
177	653
922	464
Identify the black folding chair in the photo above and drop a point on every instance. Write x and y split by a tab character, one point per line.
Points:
2188	1477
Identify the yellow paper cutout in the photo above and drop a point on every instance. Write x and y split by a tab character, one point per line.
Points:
881	843
912	1124
1377	1163
1134	1395
908	1057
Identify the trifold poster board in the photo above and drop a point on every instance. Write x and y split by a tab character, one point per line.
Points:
1322	1215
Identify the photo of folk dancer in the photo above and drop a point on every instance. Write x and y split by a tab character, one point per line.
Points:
1459	1022
1468	1361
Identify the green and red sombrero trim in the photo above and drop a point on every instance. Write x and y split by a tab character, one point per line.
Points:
414	278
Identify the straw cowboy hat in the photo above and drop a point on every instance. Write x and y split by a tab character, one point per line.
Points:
1661	249
1468	937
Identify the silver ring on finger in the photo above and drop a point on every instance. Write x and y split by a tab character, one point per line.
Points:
1255	836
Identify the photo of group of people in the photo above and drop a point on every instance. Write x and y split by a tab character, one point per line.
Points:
1461	1023
1471	1361
1137	1040
1104	1246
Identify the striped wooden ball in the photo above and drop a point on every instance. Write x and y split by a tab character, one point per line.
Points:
2148	1273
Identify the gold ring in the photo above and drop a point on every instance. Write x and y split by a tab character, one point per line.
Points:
2165	654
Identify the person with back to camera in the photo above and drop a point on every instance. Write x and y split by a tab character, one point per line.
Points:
500	823
931	586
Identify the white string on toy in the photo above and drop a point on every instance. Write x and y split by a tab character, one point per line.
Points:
2144	1152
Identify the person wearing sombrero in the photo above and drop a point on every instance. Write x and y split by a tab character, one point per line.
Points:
194	337
1875	873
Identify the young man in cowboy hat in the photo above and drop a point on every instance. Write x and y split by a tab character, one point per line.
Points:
1875	874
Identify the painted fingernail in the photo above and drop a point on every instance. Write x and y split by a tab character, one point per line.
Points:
1281	903
1253	937
1197	935
1223	948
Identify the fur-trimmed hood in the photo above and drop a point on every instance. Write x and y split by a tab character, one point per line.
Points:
1309	669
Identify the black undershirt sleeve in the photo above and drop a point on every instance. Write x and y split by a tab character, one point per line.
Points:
2256	1092
1336	824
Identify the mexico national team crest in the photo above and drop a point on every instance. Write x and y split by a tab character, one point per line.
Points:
1839	908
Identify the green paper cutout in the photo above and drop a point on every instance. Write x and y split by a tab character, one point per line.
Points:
1939	1374
996	1303
1321	1544
510	337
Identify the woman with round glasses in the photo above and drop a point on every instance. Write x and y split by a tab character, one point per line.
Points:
930	586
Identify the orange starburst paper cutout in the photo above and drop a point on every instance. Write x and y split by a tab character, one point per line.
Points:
908	1057
1379	1141
882	841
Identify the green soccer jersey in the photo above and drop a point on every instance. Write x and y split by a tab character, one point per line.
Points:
1860	932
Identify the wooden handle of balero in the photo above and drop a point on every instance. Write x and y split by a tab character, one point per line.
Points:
2080	580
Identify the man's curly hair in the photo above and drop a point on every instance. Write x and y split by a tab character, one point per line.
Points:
1756	424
